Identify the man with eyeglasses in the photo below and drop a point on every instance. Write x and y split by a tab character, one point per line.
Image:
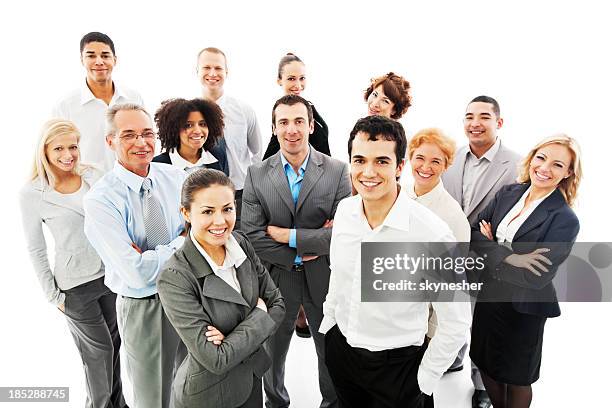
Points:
86	106
133	221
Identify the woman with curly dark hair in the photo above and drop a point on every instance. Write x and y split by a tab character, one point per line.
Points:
191	135
388	95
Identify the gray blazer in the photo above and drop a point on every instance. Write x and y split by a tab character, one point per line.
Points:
76	262
502	171
267	200
193	298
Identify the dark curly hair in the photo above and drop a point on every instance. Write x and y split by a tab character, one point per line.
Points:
172	116
397	88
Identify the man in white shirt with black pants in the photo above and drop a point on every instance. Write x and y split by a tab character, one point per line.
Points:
374	351
86	106
241	132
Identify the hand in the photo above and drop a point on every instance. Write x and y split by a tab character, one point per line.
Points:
328	224
214	335
136	248
262	305
530	261
307	258
62	307
486	230
278	234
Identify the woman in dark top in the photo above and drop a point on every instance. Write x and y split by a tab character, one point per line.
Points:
524	234
292	78
389	96
191	135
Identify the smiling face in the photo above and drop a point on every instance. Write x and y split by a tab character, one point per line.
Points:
379	103
212	216
134	155
292	129
99	61
212	70
194	132
293	78
428	162
549	166
63	153
374	168
480	124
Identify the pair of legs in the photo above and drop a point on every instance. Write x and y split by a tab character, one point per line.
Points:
507	395
92	321
292	285
153	350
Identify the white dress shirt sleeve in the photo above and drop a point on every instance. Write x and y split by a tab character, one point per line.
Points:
253	135
108	234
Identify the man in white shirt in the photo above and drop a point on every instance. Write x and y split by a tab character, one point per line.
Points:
87	105
480	169
241	133
374	350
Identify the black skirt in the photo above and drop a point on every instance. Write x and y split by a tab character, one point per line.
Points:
506	344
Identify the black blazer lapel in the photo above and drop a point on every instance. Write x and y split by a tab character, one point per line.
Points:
540	214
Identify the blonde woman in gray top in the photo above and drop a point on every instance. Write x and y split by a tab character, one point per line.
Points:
54	197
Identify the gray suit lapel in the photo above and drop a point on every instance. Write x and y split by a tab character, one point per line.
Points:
246	277
453	179
279	181
497	169
313	173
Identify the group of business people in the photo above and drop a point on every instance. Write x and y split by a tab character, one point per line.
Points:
148	250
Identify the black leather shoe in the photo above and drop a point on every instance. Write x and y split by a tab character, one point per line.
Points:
481	399
302	332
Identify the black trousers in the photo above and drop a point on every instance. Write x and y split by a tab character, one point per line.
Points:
374	379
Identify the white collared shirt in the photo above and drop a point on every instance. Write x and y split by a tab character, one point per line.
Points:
89	115
509	225
441	203
241	134
474	171
234	257
379	326
178	161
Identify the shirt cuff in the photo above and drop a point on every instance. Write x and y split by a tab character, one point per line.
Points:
326	324
427	382
293	238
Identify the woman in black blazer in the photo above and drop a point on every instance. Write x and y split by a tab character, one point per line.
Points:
292	78
191	135
524	234
220	299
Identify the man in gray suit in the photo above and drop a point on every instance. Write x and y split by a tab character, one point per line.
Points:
480	169
289	223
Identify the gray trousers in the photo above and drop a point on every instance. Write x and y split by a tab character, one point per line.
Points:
294	289
153	350
92	321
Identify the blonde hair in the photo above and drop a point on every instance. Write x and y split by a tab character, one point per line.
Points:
437	137
567	186
52	129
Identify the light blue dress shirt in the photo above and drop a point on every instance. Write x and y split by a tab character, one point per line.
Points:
295	185
114	220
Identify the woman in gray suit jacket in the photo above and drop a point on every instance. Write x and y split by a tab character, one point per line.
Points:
220	299
54	197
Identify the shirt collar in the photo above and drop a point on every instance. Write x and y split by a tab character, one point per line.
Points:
398	216
87	95
489	154
302	166
179	161
234	255
428	197
133	180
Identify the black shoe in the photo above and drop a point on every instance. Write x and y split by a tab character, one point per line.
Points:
454	369
302	332
481	399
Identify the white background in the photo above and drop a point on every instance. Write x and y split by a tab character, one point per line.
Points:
546	62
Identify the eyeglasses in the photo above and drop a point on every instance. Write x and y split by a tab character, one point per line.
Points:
131	137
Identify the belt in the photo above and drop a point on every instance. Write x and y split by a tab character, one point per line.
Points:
298	268
150	297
